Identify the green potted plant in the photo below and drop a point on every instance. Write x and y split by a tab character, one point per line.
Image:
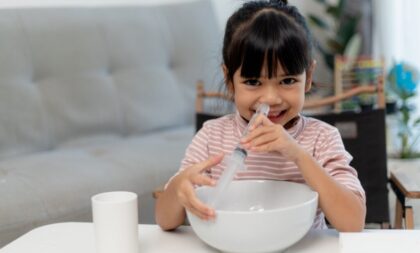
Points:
402	83
341	38
341	33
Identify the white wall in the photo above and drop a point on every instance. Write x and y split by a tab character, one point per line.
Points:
396	35
225	8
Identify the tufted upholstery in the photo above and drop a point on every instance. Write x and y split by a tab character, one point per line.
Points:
91	99
74	72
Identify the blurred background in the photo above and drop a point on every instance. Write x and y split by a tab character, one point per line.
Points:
104	134
387	28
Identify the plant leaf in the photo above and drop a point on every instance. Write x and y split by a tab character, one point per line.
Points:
329	60
318	46
335	46
318	22
328	57
346	30
340	7
333	11
352	49
416	122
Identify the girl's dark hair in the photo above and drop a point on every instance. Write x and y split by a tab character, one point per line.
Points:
266	32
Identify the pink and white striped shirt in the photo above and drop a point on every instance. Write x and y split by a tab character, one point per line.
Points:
320	139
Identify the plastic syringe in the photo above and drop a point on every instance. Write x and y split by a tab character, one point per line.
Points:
235	161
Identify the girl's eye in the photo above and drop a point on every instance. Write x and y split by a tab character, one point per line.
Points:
288	81
252	82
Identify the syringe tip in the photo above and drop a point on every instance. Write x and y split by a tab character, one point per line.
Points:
263	109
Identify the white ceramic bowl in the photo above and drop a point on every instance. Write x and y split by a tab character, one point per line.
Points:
257	216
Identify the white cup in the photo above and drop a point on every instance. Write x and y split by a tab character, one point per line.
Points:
115	219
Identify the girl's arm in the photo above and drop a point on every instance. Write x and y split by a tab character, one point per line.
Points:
169	213
180	195
343	208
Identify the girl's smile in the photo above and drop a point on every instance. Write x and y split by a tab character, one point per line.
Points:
276	116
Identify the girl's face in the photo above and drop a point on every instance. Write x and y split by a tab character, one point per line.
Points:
285	94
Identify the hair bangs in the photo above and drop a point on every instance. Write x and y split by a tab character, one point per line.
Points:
253	57
265	43
293	54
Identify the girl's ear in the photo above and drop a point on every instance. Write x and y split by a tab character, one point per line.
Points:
225	71
309	75
228	83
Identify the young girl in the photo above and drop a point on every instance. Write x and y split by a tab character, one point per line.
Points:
267	59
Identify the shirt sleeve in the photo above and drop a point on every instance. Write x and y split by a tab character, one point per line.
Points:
196	152
334	158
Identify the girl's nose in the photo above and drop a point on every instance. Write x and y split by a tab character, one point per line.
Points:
270	96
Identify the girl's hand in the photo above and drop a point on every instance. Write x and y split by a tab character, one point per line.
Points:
183	184
265	136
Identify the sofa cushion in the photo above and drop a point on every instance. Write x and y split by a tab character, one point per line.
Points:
57	186
23	127
74	72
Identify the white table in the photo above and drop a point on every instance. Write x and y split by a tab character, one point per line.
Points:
79	238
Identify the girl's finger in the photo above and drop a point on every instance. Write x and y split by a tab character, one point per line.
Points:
266	121
254	134
260	120
195	212
206	164
199	179
199	206
261	148
189	201
263	139
202	208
